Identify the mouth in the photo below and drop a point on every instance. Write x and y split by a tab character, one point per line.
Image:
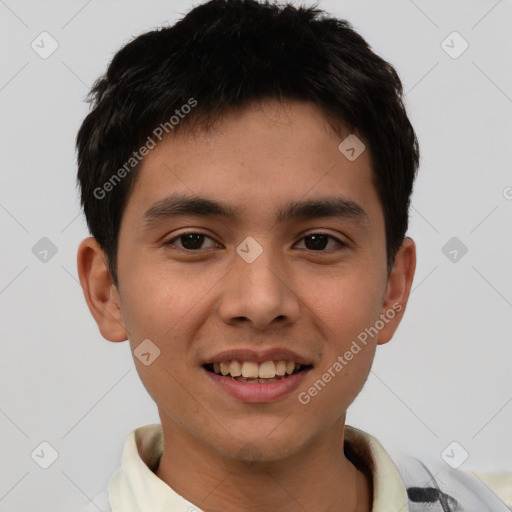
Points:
253	372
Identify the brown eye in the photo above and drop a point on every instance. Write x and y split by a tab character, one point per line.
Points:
191	241
319	242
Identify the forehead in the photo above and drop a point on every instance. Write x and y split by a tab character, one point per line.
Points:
256	160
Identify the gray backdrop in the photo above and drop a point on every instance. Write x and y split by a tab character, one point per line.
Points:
445	378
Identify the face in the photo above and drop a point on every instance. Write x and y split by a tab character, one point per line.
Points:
237	281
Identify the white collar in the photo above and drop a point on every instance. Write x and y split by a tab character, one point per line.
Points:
136	488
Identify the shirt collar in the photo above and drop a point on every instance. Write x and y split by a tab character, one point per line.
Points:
389	492
136	488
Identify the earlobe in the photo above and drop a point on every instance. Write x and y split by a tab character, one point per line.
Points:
398	289
99	291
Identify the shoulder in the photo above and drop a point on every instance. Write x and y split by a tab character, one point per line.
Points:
434	484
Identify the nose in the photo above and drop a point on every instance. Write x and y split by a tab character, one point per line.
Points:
259	294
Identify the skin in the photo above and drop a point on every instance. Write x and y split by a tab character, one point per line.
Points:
220	453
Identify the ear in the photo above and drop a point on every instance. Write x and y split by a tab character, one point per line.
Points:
398	289
99	291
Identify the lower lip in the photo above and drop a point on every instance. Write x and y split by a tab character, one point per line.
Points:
258	392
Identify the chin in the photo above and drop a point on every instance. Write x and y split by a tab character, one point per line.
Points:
253	447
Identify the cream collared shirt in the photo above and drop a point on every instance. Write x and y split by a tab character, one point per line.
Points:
136	488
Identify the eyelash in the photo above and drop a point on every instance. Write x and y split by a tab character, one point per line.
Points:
337	240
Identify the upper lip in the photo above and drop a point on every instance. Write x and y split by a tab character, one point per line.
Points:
247	354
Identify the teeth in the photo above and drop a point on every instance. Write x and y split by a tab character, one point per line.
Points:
267	370
235	368
250	369
254	371
280	368
224	368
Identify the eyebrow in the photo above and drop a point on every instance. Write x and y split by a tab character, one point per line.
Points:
179	205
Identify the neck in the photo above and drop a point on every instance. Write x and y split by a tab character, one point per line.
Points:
319	477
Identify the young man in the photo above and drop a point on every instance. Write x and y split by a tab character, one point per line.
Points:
246	176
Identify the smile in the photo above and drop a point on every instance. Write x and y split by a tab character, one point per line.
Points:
251	371
256	389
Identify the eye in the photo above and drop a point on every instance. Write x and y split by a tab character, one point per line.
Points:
319	241
192	241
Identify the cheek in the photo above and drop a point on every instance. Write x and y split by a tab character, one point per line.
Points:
347	305
335	387
157	300
345	315
163	305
